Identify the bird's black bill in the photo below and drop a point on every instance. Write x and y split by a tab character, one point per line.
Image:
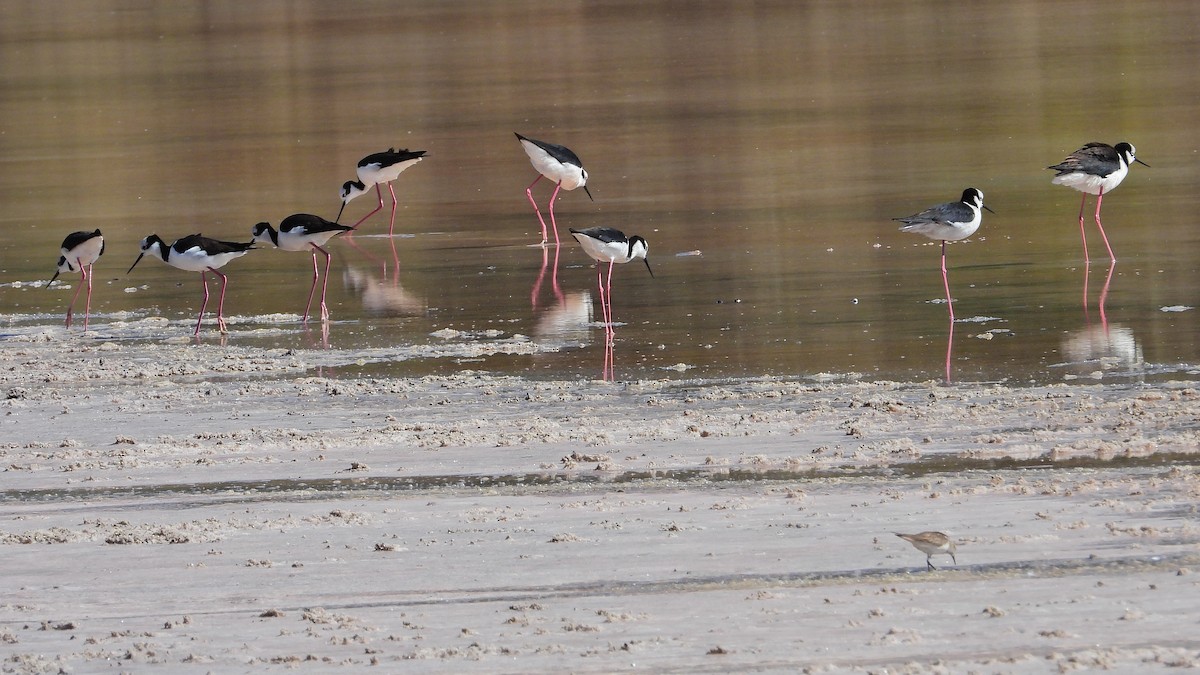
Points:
1140	162
339	218
589	194
989	210
52	279
135	262
647	261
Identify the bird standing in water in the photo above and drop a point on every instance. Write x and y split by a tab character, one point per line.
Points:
1095	169
197	253
304	232
562	167
607	245
80	250
948	222
374	169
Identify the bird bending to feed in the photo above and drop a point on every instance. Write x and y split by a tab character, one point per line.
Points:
948	222
931	544
304	232
561	166
1095	169
376	169
606	245
196	253
80	250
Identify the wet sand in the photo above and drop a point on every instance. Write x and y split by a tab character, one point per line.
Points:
199	508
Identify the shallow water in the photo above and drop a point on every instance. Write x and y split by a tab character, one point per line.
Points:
776	139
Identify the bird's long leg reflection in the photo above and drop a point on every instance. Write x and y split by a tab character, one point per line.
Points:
349	239
949	349
1104	295
607	373
1103	299
395	260
537	285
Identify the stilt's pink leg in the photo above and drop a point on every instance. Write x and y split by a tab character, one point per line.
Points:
312	289
1082	234
612	332
378	193
529	194
71	307
325	284
1100	198
87	305
392	225
203	305
946	283
603	303
553	224
221	301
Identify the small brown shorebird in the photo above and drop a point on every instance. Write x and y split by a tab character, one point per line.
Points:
931	544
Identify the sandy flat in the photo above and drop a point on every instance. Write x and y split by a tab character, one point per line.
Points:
198	508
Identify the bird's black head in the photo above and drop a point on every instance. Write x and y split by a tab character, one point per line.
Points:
147	244
638	248
1128	153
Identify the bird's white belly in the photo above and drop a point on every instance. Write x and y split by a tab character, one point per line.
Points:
1091	184
372	175
295	243
945	231
569	175
611	252
86	253
194	260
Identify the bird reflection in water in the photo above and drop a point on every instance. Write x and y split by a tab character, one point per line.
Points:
1103	347
374	260
382	296
567	324
1097	349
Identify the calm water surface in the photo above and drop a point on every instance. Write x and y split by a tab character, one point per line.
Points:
776	139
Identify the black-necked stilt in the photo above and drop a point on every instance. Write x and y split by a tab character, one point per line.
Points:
79	251
1095	169
561	166
376	169
304	232
196	253
948	222
931	544
606	245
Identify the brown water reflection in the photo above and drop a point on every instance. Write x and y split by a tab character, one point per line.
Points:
777	138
